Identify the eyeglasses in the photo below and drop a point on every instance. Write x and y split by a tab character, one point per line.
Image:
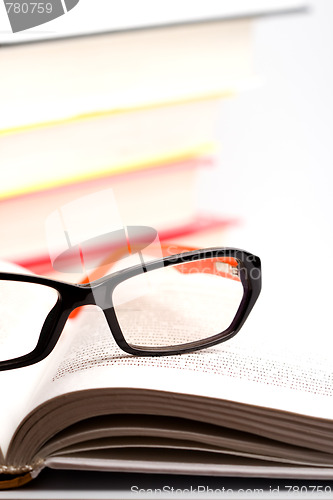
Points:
179	303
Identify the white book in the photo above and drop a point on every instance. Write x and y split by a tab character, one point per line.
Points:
120	72
238	409
86	17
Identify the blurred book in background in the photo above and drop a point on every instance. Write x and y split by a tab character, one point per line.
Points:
135	111
161	196
108	15
123	70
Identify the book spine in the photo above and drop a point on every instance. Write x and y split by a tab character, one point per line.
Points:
15	476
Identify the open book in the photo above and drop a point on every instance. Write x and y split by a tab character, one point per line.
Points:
234	409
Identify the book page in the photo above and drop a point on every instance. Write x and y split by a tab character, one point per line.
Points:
19	324
18	388
239	370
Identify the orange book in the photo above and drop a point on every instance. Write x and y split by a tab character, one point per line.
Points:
163	197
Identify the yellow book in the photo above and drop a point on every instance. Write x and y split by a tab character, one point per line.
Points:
107	143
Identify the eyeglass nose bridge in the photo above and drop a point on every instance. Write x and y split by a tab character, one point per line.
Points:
99	294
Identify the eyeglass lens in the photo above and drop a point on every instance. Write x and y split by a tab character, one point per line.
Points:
23	310
178	304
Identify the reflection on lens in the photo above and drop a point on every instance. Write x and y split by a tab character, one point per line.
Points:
23	310
178	304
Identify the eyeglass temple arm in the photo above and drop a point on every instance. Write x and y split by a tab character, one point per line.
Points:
225	267
228	270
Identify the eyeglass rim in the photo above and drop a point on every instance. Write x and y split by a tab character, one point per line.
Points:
251	286
71	296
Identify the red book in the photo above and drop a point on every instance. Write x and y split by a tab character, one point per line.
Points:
163	197
201	231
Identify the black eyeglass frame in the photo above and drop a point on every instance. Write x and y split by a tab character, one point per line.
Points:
71	296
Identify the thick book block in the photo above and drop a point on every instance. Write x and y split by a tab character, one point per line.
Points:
237	409
163	196
122	70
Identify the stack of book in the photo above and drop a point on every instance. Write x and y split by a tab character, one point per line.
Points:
132	111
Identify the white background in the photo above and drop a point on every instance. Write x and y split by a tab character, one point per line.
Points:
275	173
